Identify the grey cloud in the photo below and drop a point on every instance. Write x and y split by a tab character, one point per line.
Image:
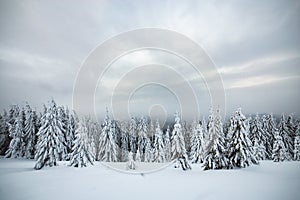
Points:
43	44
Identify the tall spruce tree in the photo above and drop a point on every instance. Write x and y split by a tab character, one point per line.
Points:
215	150
94	132
187	134
178	150
280	152
148	151
132	135
197	144
124	142
240	152
204	126
159	148
291	132
63	150
286	139
81	151
70	125
257	137
167	144
16	132
269	127
177	140
116	130
108	147
151	133
30	132
142	130
49	138
230	131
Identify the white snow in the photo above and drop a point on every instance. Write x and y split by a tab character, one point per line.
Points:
269	180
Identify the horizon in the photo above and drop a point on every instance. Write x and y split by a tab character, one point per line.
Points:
163	122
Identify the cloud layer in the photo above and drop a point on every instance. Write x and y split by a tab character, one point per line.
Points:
255	46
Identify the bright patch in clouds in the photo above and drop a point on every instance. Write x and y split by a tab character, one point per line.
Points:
259	80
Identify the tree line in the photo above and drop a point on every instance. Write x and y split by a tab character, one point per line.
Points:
58	134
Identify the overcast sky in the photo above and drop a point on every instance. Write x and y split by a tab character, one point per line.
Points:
255	46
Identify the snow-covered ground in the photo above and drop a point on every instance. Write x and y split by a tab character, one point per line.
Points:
269	180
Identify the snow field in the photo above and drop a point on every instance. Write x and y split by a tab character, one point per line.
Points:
269	180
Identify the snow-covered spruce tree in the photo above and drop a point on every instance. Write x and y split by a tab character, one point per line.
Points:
177	140
240	152
230	130
151	133
91	143
116	129
291	132
204	126
259	150
22	114
13	113
257	137
124	142
167	144
130	163
159	148
268	127
132	135
29	132
97	134
226	128
49	135
197	144
187	132
138	156
247	123
70	125
94	132
4	133
108	147
148	151
178	150
142	130
279	151
81	152
37	124
191	135
16	146
287	140
297	143
215	150
63	152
